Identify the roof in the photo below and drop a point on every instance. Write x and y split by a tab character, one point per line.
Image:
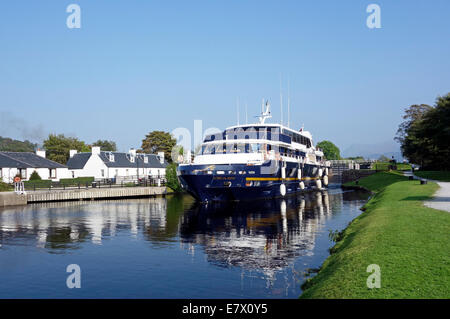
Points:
79	160
26	160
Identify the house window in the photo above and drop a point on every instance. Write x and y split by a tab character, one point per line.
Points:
111	157
73	174
23	173
132	159
126	172
117	172
145	159
1	173
103	173
52	172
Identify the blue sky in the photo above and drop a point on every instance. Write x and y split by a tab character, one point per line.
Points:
137	66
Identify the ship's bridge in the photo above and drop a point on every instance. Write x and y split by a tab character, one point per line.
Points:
268	132
256	143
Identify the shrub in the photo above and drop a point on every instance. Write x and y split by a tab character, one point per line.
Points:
76	181
35	176
4	187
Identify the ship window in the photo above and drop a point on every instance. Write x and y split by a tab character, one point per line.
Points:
251	172
209	149
255	147
242	172
220	172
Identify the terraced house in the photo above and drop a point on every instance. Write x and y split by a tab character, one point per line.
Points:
25	163
116	166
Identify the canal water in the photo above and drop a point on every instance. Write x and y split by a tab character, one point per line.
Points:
170	247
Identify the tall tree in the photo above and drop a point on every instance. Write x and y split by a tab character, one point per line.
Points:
413	114
58	147
330	150
424	136
159	141
106	145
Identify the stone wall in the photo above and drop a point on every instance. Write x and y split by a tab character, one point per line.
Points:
354	174
12	199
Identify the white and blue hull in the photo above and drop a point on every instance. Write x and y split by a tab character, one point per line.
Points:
226	182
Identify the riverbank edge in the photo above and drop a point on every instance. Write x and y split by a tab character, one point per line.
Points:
342	237
8	199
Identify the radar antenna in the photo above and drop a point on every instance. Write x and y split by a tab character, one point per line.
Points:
265	114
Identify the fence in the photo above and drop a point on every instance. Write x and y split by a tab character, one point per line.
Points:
106	183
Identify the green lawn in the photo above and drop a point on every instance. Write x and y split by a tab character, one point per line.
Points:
436	175
410	243
384	166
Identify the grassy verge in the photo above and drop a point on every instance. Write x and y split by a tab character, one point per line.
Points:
384	166
408	241
443	176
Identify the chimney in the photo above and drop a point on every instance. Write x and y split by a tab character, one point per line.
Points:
161	157
95	150
40	153
72	153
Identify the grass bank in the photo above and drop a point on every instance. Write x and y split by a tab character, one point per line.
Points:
408	241
384	166
443	176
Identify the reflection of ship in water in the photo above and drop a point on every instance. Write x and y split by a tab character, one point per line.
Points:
264	235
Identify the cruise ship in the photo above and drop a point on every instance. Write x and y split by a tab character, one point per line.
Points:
255	161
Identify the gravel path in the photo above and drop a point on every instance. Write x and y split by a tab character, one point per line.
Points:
441	199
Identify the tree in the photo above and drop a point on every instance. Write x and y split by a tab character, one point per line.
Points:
171	177
10	145
159	141
413	114
330	150
383	158
106	145
424	135
58	147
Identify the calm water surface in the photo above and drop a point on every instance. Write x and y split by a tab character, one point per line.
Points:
170	247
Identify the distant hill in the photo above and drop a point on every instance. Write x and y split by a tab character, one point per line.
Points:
374	151
9	145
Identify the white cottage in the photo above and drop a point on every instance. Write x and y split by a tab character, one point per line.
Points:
25	163
116	166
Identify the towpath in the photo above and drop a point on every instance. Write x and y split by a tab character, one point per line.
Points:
441	199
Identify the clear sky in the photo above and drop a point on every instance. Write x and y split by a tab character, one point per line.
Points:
138	66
